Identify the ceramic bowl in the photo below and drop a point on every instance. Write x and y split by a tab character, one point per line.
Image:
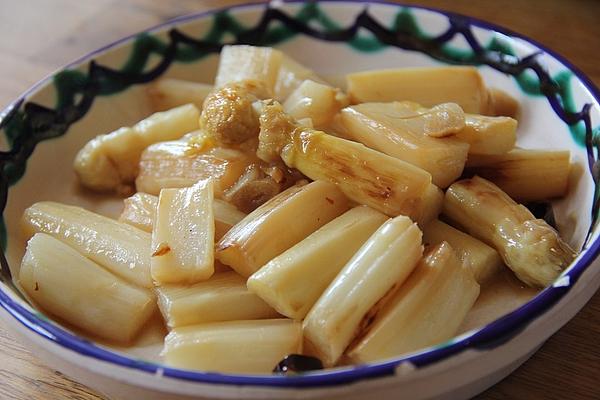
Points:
106	89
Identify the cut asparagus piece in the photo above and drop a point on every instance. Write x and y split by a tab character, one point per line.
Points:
183	235
79	291
251	347
488	135
380	265
317	101
366	176
167	93
427	309
528	246
483	261
501	103
426	86
110	162
226	216
267	231
293	281
291	75
404	130
120	248
525	175
431	205
224	297
181	163
140	211
240	62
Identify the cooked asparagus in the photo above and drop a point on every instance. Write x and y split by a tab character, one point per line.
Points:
501	103
317	101
488	135
528	246
183	235
226	216
240	62
366	176
76	289
120	248
293	281
167	93
427	309
291	75
267	231
426	86
140	211
483	261
525	175
404	130
380	265
110	162
224	297
251	347
181	163
431	205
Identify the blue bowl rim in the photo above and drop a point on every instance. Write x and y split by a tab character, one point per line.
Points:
488	337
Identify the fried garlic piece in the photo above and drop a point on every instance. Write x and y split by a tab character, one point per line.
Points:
228	114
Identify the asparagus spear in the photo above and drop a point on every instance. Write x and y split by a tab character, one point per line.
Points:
427	309
530	247
81	292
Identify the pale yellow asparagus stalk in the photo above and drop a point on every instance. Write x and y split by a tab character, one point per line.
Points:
483	261
404	130
224	297
317	101
120	248
427	86
250	347
380	265
488	135
427	309
431	205
140	211
293	281
279	224
183	235
181	163
366	176
501	103
167	93
111	162
291	75
528	246
241	62
526	175
81	292
226	216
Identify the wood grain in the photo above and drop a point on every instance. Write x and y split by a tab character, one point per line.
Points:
38	36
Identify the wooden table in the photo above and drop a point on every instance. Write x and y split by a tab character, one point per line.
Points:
38	36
